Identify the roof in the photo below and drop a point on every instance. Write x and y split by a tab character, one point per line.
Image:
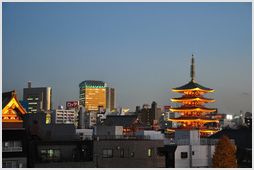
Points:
243	138
188	98
192	108
125	121
6	97
192	119
192	85
92	83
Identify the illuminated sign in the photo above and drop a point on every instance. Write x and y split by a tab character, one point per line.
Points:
72	104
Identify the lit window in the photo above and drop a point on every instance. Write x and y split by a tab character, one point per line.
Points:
132	154
149	152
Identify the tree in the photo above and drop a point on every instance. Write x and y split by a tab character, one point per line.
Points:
225	154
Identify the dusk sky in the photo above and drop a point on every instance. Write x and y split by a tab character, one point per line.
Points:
143	50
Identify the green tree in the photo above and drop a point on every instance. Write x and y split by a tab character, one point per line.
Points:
225	154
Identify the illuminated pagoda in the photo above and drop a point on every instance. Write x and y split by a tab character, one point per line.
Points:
192	111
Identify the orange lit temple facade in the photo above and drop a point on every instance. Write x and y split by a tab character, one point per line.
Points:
194	116
12	111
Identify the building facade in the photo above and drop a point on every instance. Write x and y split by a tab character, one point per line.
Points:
92	94
63	116
39	98
14	139
147	115
110	98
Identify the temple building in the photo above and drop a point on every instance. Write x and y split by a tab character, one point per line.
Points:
14	138
12	111
193	113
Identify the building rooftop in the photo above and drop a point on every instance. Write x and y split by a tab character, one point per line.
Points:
125	121
92	83
243	138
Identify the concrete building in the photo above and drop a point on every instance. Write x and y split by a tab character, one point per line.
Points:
39	98
90	119
92	94
84	134
36	127
248	119
61	116
110	98
118	151
188	150
148	115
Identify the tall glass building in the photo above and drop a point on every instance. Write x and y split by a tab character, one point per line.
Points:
92	94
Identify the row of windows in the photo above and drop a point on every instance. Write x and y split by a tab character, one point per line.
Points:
50	155
108	153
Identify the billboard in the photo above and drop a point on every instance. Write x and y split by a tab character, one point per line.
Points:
72	104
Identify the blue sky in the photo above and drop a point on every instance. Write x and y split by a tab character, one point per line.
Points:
143	50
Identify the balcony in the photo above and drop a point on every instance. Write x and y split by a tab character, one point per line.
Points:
11	149
122	137
194	142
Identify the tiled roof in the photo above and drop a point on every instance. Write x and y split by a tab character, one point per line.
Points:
243	138
125	121
191	85
6	97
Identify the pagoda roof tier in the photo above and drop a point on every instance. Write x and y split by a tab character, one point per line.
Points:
201	130
192	119
192	98
192	86
204	109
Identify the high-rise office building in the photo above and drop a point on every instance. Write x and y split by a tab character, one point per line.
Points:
92	94
39	98
110	98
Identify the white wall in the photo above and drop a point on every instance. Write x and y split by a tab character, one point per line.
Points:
202	156
109	130
154	135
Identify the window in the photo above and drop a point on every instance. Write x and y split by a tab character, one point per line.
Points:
192	152
132	154
10	164
149	152
121	153
184	155
50	155
107	153
12	146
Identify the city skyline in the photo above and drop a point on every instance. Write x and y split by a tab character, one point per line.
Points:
143	50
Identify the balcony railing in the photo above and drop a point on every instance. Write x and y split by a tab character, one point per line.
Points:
194	142
11	149
121	137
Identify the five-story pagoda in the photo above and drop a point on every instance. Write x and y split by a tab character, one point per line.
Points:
192	111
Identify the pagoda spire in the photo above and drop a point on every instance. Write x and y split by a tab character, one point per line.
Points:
192	71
